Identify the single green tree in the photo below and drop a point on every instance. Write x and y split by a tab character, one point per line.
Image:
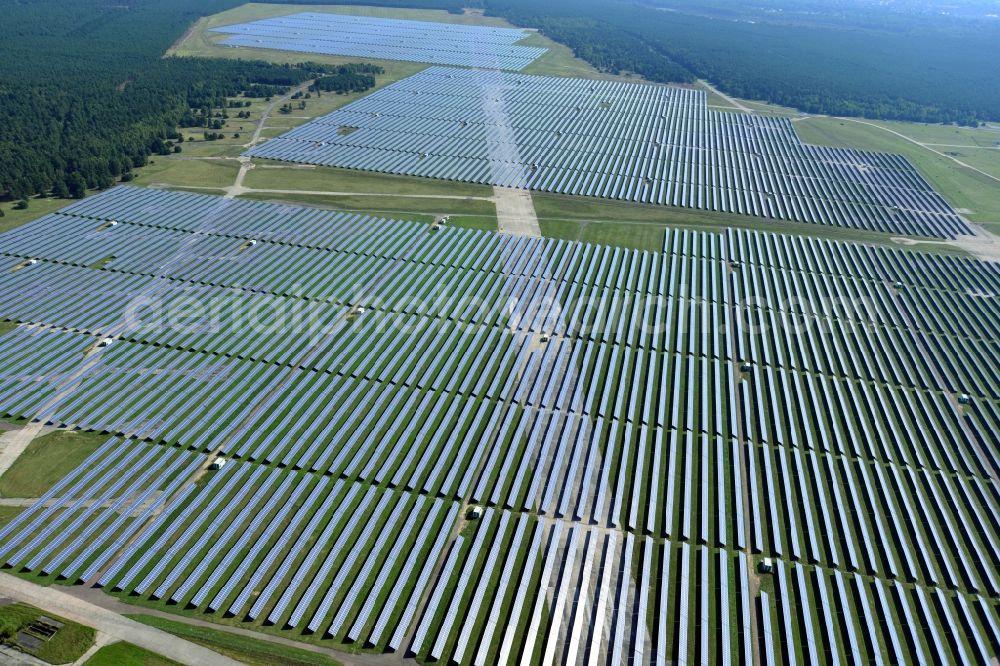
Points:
60	190
77	185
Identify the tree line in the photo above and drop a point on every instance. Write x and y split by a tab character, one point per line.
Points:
86	94
926	71
349	78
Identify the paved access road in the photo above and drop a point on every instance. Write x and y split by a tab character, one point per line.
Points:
516	212
115	626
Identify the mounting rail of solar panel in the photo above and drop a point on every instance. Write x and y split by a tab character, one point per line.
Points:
611	460
633	142
387	39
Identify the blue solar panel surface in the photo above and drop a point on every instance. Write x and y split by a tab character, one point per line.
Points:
387	39
634	142
668	426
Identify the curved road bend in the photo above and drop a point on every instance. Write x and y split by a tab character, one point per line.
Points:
53	600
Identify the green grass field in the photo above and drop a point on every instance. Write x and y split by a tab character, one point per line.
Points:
213	149
175	171
641	236
947	135
46	460
485	221
9	513
36	208
984	159
68	644
399	207
717	101
963	188
641	226
127	654
560	61
767	109
243	649
268	174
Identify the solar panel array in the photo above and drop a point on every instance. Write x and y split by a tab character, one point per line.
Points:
639	428
625	141
387	39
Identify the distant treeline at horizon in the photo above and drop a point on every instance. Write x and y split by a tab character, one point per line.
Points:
86	96
901	71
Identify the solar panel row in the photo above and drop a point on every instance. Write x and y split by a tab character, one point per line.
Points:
387	39
587	449
643	143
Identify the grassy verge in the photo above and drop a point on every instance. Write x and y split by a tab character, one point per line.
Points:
640	236
717	101
560	61
209	150
485	221
767	109
46	460
7	326
127	654
641	225
401	207
247	650
172	170
269	174
66	646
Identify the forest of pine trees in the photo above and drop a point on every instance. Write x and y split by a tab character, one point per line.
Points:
86	94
